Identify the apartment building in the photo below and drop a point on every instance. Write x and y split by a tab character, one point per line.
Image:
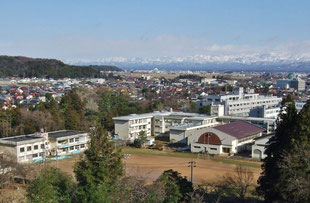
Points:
264	112
296	83
239	103
35	147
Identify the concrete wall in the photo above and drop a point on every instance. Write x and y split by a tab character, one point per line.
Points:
121	129
211	149
177	136
258	152
8	149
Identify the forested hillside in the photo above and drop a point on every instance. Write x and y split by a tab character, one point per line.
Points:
105	68
19	66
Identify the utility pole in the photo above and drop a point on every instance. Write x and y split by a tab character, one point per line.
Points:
192	165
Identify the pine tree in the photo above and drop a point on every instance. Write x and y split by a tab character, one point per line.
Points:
177	187
99	169
51	185
287	163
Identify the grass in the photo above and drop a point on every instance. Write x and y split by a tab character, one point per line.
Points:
132	150
237	162
150	152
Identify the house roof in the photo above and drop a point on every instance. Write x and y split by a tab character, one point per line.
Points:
239	129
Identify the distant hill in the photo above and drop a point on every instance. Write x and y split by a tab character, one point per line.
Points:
19	66
105	68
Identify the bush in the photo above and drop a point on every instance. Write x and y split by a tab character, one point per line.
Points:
137	143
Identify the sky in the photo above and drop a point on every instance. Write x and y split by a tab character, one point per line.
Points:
74	30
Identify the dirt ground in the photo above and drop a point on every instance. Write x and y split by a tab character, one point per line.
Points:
205	170
151	167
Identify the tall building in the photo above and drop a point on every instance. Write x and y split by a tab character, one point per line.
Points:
296	83
239	103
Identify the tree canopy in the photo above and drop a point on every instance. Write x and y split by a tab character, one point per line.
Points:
286	169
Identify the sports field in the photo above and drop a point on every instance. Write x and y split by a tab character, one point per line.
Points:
150	164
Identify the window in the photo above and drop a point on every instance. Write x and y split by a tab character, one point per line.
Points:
77	147
82	145
198	147
41	154
22	149
77	139
42	146
71	140
29	148
36	147
72	148
34	155
213	149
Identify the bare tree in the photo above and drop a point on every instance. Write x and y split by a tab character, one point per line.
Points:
134	189
239	183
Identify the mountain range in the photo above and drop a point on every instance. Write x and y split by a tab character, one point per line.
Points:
255	62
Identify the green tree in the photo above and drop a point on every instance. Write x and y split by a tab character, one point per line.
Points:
72	119
177	188
287	163
51	185
98	169
205	109
193	107
143	137
48	96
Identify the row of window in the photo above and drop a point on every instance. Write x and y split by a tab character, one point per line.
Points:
71	140
29	148
253	103
76	147
138	121
211	148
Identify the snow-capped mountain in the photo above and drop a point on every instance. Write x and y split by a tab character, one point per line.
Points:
263	61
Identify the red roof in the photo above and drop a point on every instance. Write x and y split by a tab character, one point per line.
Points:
239	129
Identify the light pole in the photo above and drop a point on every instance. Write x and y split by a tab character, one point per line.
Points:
192	165
126	156
56	158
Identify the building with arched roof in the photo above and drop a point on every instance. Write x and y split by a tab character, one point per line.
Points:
229	138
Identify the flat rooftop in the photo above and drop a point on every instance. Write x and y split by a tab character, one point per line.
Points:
64	133
155	113
21	138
